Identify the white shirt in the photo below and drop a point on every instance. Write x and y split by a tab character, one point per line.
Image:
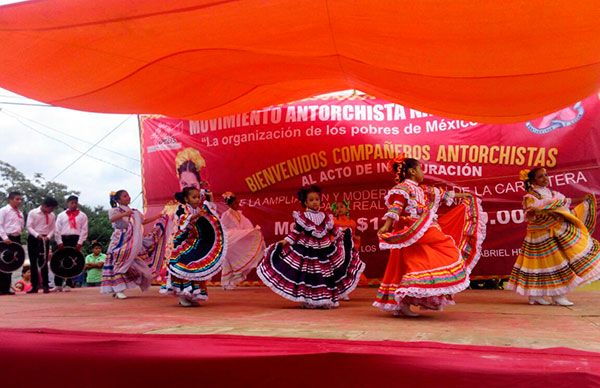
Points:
11	222
38	224
63	227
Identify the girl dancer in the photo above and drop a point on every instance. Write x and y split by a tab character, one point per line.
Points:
245	244
315	264
129	257
341	214
559	252
430	259
198	246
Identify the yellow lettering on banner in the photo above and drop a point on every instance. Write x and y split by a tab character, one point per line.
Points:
540	160
441	155
368	152
250	184
552	153
285	170
484	154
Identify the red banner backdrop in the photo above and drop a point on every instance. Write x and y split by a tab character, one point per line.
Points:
343	144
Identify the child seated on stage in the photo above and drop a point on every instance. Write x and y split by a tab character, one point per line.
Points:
24	284
314	264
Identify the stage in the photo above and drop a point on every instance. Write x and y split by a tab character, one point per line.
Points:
463	344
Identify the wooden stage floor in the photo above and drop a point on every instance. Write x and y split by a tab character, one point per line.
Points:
481	317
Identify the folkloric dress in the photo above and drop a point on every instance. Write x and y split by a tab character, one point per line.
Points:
198	247
317	267
245	247
558	252
430	258
131	257
345	222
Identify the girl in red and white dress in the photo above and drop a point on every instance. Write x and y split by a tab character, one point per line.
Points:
430	258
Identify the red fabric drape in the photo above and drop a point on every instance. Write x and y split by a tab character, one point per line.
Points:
70	359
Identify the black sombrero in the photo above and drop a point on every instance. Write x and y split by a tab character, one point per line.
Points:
67	262
12	257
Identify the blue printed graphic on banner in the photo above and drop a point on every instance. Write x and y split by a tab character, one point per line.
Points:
562	118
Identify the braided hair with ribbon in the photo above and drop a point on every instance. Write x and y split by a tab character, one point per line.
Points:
400	166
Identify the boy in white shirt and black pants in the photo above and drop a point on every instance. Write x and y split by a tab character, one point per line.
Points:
40	225
71	231
11	226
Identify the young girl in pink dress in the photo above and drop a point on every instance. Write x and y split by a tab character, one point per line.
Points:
245	244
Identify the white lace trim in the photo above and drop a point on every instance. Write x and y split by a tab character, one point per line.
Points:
390	307
411	204
311	302
431	217
359	272
449	197
577	281
312	228
188	292
417	292
315	216
481	235
392	215
299	299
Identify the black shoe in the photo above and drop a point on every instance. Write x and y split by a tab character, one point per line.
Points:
46	290
33	291
7	293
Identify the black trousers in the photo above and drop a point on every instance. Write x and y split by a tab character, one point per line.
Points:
6	278
35	248
69	240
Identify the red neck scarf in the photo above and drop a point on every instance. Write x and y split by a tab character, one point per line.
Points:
73	218
17	211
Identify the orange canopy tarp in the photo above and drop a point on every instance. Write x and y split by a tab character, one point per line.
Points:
491	61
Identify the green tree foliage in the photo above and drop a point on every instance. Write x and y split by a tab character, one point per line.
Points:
36	189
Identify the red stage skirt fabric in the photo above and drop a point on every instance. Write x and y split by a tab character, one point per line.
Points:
48	358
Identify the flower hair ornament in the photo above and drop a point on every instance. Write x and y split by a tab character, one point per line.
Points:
228	195
190	155
334	207
524	175
397	161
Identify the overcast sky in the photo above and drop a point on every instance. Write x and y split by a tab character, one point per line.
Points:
48	139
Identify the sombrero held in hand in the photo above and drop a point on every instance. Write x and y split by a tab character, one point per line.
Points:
67	262
12	257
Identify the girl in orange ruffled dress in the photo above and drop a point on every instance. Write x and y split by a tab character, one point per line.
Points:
430	258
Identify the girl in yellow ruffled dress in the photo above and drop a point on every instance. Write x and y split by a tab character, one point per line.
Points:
558	253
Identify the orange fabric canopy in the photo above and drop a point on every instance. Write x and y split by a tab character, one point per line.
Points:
491	61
